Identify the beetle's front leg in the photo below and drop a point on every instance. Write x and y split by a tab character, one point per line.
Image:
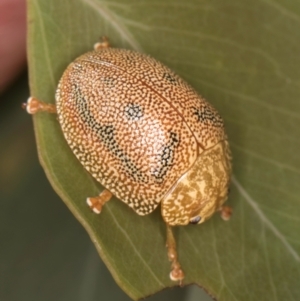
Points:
176	272
34	105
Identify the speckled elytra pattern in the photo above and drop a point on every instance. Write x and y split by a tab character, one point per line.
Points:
133	124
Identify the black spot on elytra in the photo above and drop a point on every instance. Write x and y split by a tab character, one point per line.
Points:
106	133
208	116
133	111
108	81
166	158
170	78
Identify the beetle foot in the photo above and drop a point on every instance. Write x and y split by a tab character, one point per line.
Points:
226	212
177	273
103	44
96	203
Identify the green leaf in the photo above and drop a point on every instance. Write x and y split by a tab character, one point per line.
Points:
243	56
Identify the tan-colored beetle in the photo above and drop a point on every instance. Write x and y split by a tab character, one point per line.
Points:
145	135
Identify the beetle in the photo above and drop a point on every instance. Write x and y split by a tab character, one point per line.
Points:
145	135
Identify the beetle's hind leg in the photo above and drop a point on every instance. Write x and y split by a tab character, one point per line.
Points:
225	212
103	44
176	272
34	105
96	203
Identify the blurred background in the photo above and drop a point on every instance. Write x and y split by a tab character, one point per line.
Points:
45	252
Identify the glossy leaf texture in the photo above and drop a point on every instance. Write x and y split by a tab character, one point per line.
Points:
243	56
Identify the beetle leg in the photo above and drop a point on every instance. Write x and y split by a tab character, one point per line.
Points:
176	273
34	105
96	203
225	212
103	44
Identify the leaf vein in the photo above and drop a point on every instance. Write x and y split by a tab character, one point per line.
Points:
265	219
115	21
